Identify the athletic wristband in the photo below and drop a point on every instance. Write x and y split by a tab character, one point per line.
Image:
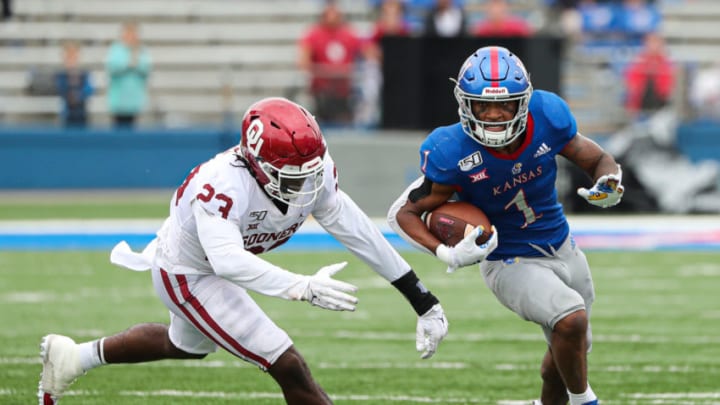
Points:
415	292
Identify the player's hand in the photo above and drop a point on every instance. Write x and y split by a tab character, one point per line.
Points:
325	292
607	191
432	327
467	252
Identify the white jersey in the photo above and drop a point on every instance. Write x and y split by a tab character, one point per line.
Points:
225	188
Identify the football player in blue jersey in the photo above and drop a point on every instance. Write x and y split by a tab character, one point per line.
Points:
501	158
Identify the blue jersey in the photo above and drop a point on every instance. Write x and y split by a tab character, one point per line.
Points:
517	192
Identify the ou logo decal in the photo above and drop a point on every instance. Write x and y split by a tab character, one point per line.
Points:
253	136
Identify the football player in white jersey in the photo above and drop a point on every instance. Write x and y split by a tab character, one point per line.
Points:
243	202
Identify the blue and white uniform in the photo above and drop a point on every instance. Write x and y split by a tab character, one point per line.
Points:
536	270
516	191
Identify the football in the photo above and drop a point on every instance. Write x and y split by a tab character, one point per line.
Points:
453	220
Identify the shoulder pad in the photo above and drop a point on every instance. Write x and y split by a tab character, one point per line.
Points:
555	109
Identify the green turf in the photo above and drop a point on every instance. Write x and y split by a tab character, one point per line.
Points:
84	204
656	323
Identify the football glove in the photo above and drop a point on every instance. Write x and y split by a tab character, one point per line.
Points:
467	252
606	192
432	327
323	291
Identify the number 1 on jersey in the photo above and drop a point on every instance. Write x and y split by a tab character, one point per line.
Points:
520	202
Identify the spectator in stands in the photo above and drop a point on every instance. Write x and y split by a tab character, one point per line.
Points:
389	22
6	9
704	93
445	19
597	21
499	21
74	86
128	65
328	51
636	18
649	78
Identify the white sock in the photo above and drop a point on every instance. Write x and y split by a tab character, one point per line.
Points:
91	354
580	399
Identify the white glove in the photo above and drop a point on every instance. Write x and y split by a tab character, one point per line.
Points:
432	327
606	192
323	291
467	252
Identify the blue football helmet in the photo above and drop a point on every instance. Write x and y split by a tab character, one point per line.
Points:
493	74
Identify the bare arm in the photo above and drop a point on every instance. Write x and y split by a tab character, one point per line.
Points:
590	157
422	198
601	166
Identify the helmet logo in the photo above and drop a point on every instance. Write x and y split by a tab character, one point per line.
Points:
253	136
495	91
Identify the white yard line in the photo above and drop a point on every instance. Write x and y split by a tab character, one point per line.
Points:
580	223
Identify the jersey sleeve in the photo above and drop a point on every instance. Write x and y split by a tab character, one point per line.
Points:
219	191
556	112
345	221
223	245
338	214
434	162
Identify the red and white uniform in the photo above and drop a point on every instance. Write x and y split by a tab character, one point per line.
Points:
220	218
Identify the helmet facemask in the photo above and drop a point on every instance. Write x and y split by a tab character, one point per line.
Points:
297	186
476	128
493	74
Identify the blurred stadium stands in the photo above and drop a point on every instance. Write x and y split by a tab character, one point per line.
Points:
212	58
592	75
200	48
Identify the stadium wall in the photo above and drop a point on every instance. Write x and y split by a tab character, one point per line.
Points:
373	167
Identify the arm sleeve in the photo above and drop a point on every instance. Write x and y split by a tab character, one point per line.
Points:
116	61
144	65
223	245
435	163
353	228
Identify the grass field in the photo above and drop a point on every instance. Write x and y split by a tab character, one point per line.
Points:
656	326
39	205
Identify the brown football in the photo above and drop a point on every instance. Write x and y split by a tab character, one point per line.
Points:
451	221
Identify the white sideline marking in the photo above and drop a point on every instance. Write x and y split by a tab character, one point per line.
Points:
672	369
675	395
391	365
420	365
688	398
255	395
529	337
579	223
464	337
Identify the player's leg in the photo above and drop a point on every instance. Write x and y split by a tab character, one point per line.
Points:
553	388
568	344
211	310
571	338
142	343
64	361
294	377
539	290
